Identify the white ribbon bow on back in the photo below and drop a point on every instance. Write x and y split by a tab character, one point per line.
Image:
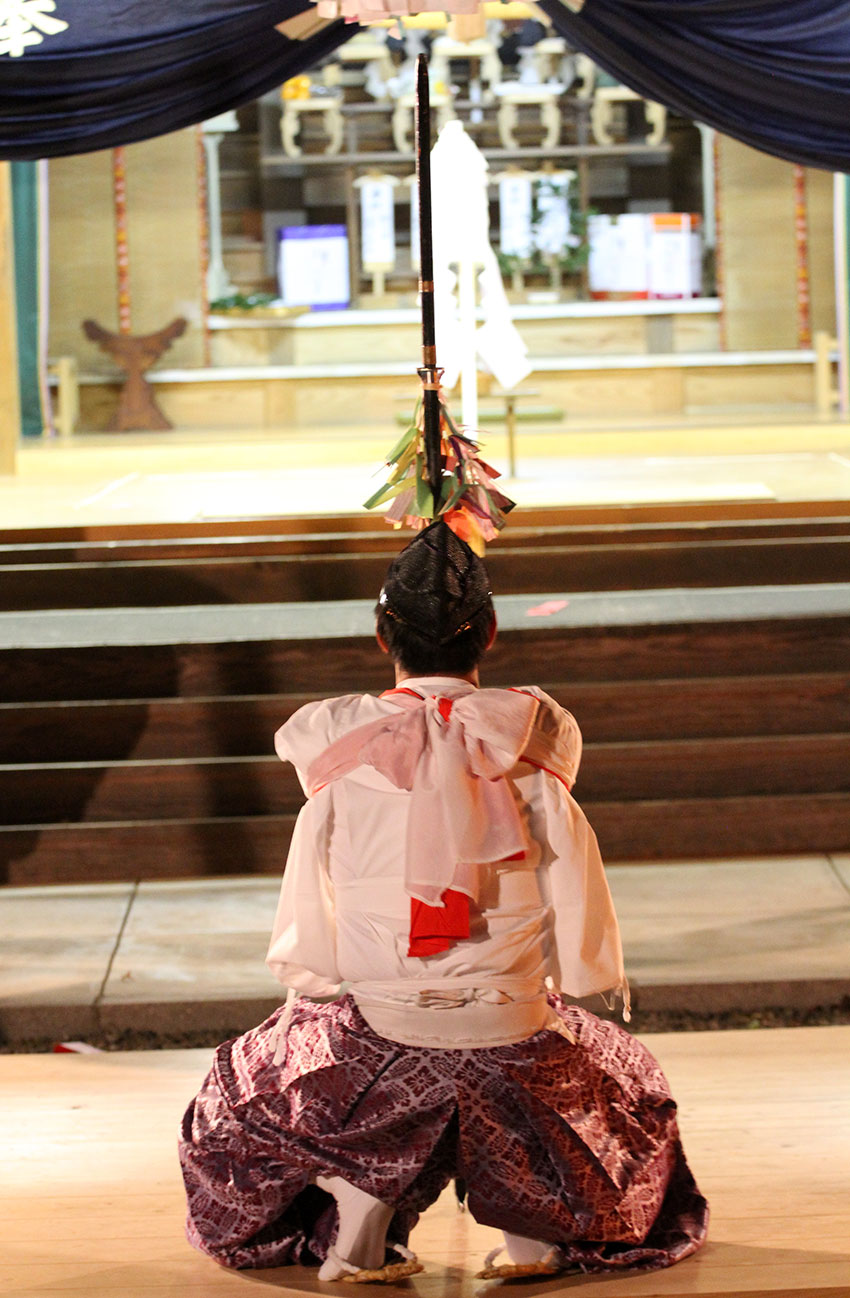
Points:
462	810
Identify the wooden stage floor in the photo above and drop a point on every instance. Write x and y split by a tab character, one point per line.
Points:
91	1201
182	476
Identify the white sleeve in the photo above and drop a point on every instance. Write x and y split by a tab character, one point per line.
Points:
310	730
302	951
586	954
555	741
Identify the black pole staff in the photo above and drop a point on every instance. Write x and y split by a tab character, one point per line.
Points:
428	373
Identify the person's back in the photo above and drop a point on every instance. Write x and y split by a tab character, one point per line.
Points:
495	980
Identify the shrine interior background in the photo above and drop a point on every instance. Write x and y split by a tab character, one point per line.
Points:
745	339
187	226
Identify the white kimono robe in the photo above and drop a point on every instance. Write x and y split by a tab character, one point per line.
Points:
543	921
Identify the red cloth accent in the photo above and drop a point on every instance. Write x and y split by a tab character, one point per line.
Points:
540	767
434	928
444	707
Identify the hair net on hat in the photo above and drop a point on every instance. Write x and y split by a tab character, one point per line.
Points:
437	585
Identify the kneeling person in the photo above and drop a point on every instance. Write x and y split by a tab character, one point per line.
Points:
442	870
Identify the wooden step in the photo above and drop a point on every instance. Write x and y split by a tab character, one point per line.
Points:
182	789
235	726
326	667
708	707
263	786
713	828
531	516
143	729
703	738
661	830
318	578
387	541
621	771
715	768
164	849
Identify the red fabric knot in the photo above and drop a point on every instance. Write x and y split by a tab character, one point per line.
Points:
435	928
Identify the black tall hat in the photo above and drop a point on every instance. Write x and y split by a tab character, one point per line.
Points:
437	585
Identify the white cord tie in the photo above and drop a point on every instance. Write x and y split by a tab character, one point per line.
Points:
282	1027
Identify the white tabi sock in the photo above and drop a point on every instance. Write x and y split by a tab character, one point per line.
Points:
524	1251
363	1221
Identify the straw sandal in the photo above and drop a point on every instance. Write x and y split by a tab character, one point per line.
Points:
549	1264
387	1274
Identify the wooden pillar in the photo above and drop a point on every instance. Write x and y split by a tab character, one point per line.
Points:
10	413
759	248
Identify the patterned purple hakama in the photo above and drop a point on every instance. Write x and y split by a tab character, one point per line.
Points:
573	1144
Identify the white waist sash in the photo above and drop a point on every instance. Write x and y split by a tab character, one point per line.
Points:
456	1014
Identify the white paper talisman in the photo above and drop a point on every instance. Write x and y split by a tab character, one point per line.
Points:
515	215
552	235
377	222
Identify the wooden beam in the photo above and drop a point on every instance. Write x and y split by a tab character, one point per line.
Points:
10	411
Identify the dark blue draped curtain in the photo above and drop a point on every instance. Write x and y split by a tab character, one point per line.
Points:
125	70
773	73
